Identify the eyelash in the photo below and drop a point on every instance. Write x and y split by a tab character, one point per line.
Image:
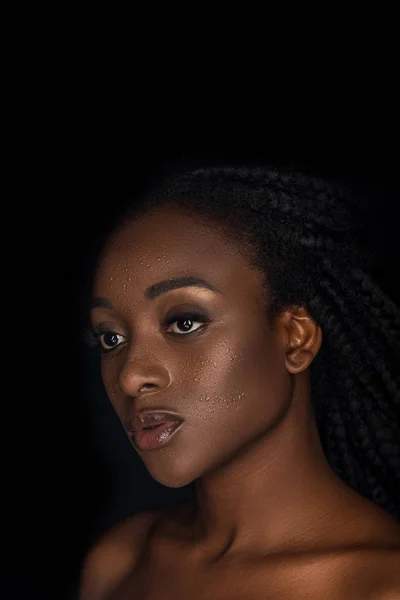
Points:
92	335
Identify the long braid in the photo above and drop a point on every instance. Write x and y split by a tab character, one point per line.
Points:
356	420
308	238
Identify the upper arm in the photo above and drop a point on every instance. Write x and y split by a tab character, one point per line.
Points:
113	556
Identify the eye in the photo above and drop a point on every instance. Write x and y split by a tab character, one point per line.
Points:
186	322
106	341
110	340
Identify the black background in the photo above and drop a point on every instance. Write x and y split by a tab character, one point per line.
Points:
71	473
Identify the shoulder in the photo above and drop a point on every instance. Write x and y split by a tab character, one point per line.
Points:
387	568
379	562
372	565
114	555
373	574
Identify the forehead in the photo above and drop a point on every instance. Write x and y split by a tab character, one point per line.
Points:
167	243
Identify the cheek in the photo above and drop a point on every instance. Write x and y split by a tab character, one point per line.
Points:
266	385
110	382
243	382
241	391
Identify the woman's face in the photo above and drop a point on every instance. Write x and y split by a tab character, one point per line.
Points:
226	377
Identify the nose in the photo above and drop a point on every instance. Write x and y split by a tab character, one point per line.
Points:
135	378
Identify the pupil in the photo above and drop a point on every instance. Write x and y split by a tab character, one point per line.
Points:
187	323
110	339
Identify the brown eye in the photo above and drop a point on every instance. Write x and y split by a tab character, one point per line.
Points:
110	340
185	323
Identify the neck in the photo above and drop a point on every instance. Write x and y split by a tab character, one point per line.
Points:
275	495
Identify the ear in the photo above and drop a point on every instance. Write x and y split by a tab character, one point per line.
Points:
303	339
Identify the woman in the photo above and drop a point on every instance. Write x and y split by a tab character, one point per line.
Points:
236	316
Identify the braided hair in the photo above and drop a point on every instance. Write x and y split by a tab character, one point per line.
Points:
308	238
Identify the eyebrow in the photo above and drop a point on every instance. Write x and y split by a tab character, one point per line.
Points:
174	283
162	287
100	303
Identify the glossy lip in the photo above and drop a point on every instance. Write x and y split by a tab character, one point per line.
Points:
147	439
140	420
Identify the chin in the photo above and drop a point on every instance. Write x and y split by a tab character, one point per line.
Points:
171	472
170	480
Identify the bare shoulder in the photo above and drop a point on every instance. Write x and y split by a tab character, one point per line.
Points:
384	561
374	566
387	567
111	559
375	574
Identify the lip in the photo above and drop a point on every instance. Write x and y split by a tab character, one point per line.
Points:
150	439
166	423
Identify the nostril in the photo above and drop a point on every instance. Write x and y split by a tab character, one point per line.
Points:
147	385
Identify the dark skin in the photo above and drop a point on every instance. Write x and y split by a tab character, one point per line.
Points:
263	485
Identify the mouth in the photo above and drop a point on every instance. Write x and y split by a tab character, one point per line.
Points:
152	429
150	438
